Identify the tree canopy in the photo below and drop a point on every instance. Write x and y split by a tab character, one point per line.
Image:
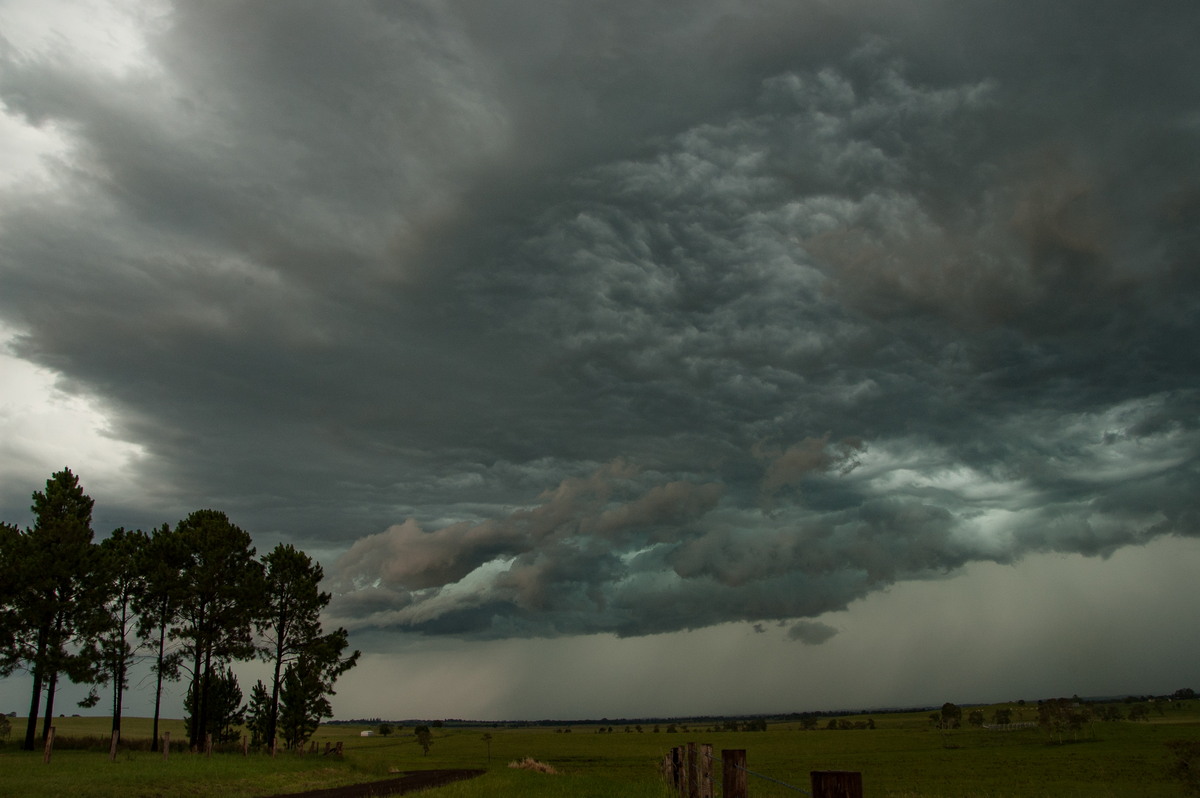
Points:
195	597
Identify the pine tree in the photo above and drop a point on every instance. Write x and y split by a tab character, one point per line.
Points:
158	609
219	698
291	627
122	561
58	601
258	714
222	597
302	703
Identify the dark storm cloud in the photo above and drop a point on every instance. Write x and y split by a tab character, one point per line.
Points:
790	303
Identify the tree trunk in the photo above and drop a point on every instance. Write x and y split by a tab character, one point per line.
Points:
118	673
158	682
51	686
273	716
118	694
205	685
35	706
35	703
194	732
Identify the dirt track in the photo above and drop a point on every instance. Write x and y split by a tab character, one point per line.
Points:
411	781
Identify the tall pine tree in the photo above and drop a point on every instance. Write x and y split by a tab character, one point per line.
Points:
222	597
122	560
60	595
291	629
158	607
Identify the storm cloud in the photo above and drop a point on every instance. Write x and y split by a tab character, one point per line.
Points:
540	320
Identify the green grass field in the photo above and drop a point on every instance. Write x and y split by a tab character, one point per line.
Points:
903	757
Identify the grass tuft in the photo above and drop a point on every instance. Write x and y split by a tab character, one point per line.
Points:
529	763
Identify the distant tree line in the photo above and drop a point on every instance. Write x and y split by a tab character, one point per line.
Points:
193	598
1058	717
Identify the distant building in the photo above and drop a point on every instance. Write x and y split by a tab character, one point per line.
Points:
366	734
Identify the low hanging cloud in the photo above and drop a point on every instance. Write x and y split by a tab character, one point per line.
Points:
811	633
624	551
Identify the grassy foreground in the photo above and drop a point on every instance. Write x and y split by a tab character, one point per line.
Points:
903	757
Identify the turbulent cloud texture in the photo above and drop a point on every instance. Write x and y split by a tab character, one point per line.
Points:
617	317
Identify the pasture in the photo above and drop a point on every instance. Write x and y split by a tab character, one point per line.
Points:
904	756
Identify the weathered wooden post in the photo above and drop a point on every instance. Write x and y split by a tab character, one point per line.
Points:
693	772
706	770
166	745
733	773
339	748
836	784
245	745
49	746
208	745
112	748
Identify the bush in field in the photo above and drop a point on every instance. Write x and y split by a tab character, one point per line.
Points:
424	738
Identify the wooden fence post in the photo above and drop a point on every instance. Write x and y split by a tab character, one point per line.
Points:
245	745
49	746
112	748
166	745
836	784
693	771
208	745
733	773
706	770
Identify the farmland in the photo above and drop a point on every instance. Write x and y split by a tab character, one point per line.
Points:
904	756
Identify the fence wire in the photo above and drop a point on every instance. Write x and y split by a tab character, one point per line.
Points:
712	759
776	781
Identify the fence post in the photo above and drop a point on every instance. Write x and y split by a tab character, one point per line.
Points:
733	773
706	770
166	745
245	745
49	746
693	771
112	748
836	784
208	745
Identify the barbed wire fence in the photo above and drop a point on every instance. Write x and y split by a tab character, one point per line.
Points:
689	771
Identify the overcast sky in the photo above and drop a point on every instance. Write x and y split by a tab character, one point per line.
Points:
623	358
